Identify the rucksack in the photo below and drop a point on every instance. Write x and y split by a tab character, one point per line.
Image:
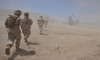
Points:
11	21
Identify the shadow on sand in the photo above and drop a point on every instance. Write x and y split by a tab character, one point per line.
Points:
43	34
21	52
31	43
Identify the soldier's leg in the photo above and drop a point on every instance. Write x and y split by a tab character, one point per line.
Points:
10	43
27	35
46	24
18	38
24	33
40	29
29	32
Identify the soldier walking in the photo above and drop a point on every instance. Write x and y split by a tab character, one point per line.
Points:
12	24
41	22
26	26
46	22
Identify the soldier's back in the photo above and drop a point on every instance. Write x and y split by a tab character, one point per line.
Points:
12	24
26	26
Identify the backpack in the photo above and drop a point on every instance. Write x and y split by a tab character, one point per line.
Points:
11	21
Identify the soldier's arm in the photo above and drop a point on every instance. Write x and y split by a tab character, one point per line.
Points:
18	21
31	22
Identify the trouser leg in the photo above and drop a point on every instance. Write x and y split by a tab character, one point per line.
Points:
17	44
10	43
18	38
26	35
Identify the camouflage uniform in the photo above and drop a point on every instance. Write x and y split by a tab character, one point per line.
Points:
13	31
41	22
70	20
26	26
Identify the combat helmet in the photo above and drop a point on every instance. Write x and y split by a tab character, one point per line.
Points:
41	16
17	12
26	13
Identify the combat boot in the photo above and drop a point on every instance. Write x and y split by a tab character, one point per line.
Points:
7	50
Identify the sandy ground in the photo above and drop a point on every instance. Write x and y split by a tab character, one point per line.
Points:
59	42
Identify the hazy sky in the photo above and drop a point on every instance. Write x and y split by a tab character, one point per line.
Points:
85	10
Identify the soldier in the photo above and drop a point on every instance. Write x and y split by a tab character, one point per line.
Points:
41	24
12	24
46	22
26	26
70	20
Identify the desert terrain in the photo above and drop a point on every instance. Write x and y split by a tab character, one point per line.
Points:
59	42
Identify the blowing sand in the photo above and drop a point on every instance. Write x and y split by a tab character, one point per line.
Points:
59	42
